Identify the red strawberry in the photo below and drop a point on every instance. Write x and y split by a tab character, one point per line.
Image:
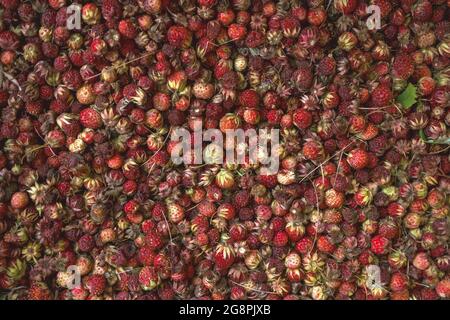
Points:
223	256
115	162
366	257
324	244
313	150
203	90
55	138
58	106
379	245
277	224
223	70
292	260
302	118
241	199
86	243
34	108
436	198
371	130
10	4
19	200
226	16
246	214
381	95
385	7
421	261
443	288
363	196
263	212
131	207
147	226
403	66
39	291
161	102
175	212
177	80
69	124
327	65
206	208
269	181
96	284
303	77
179	36
153	240
399	282
254	39
290	26
428	294
236	31
358	158
398	17
199	224
46	92
146	255
334	199
357	123
111	9
332	216
63	188
249	98
422	11
388	228
251	116
90	118
127	29
149	278
345	6
214	236
396	209
76	57
229	121
400	295
166	292
426	86
153	6
202	239
274	116
294	230
226	211
317	16
330	100
280	239
238	232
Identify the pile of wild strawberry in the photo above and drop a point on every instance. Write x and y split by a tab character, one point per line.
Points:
88	191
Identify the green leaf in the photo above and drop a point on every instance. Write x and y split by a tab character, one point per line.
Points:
422	135
443	140
408	97
440	141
